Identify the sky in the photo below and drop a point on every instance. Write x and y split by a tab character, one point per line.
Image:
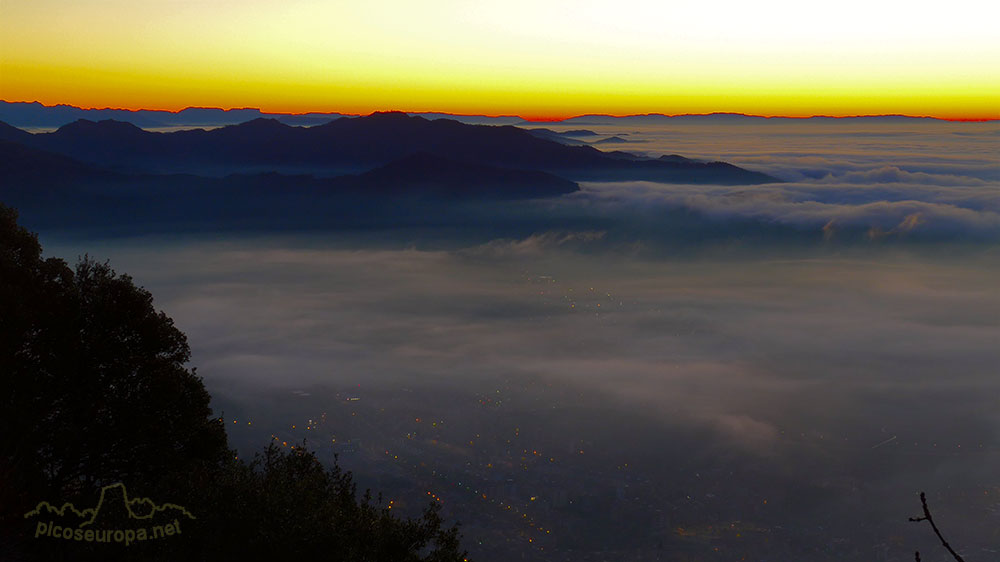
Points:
537	59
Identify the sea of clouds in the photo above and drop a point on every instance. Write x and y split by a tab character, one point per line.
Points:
896	178
846	360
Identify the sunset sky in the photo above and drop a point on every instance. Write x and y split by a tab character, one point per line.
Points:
535	58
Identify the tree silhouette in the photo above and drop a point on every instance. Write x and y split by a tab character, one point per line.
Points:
290	495
95	391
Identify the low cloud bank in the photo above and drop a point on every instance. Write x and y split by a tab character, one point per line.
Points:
823	208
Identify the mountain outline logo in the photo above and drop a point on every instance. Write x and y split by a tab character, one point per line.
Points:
113	519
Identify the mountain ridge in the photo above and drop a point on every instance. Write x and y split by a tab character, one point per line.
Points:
36	115
355	145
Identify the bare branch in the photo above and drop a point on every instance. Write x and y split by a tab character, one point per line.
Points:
927	517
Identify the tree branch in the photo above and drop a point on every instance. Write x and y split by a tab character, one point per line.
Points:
927	517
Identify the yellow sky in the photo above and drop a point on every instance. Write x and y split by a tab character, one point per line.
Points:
531	58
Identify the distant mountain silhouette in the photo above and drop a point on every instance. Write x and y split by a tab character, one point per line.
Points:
564	137
22	163
108	129
549	134
34	114
719	118
54	190
356	145
471	119
674	158
417	175
431	175
612	140
13	134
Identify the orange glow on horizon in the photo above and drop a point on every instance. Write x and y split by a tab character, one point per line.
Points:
472	57
544	118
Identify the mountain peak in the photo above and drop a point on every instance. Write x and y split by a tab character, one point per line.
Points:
357	144
397	116
105	127
261	124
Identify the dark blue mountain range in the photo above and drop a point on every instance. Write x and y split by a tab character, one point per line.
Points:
355	145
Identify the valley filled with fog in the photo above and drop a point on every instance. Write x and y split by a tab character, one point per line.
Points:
636	370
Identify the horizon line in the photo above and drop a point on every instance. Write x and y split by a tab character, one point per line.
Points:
532	119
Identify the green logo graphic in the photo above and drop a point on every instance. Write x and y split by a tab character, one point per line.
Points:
116	518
